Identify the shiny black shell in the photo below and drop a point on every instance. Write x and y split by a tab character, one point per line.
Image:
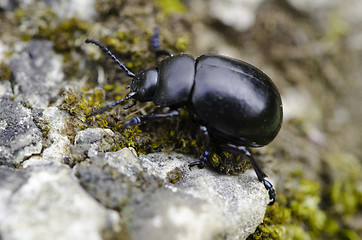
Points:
236	101
175	81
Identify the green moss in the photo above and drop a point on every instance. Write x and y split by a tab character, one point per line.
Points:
130	48
76	104
215	160
300	216
336	29
345	191
182	43
117	42
131	134
39	21
171	6
46	131
108	7
110	87
65	35
175	175
5	72
349	234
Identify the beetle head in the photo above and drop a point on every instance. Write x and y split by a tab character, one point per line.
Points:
144	85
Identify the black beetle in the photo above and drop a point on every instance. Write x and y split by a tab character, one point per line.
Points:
231	100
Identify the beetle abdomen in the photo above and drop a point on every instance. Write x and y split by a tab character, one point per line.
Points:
236	100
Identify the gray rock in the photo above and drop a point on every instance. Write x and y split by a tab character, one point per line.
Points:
47	203
10	181
8	5
126	163
19	136
217	206
239	14
64	9
110	188
5	89
37	74
160	198
53	123
57	140
311	6
173	215
91	141
96	138
82	9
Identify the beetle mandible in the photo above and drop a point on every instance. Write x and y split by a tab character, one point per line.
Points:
231	100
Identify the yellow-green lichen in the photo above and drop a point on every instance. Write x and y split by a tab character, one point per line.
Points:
79	104
171	6
345	191
38	21
5	72
131	134
175	175
337	28
108	7
215	160
130	48
182	43
301	215
65	35
46	130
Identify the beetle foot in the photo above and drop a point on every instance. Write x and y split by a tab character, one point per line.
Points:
132	121
271	191
201	163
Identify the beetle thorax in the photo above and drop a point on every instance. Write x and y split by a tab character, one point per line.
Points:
144	84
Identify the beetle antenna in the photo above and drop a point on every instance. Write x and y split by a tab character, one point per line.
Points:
156	46
104	48
102	110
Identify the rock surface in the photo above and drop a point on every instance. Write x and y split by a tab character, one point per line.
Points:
77	188
63	176
20	138
37	75
201	204
168	200
47	203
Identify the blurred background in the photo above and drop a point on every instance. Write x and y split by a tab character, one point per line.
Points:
311	49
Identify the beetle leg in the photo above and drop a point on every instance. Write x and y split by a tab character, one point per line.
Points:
259	173
147	118
204	132
134	102
102	110
201	164
155	45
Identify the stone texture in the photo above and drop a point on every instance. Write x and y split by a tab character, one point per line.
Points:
47	203
5	89
36	74
239	14
161	198
19	136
